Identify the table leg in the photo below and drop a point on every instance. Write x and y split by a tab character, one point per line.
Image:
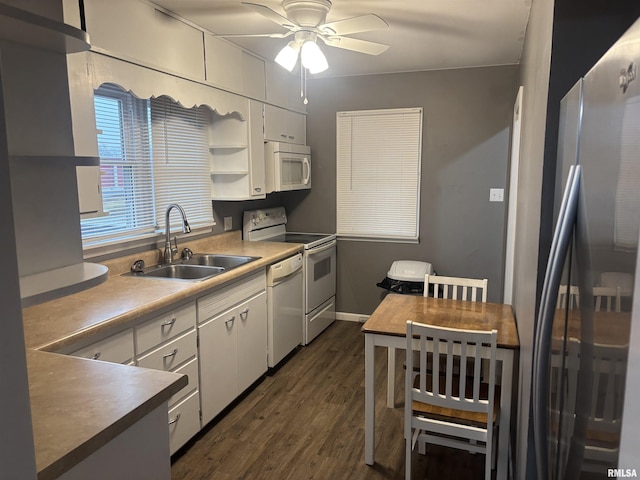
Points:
505	416
391	377
369	399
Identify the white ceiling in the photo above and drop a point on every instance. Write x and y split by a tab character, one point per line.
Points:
422	34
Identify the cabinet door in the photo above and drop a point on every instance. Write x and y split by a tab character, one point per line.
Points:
296	128
256	149
218	364
275	123
89	191
223	63
253	76
252	340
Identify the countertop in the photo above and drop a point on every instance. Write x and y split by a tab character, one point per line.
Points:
79	405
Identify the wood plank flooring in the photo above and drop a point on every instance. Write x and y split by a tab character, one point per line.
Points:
306	421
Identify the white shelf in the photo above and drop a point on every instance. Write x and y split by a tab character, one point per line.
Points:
231	172
227	147
41	287
27	28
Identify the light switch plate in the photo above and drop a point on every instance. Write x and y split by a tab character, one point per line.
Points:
228	223
496	194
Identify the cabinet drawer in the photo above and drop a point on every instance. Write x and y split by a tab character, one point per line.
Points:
225	298
190	369
184	422
171	355
158	330
117	348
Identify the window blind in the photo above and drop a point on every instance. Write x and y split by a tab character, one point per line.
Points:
378	173
181	162
125	168
152	153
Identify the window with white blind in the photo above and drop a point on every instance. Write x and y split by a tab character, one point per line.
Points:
378	174
152	153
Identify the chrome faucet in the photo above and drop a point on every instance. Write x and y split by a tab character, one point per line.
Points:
170	251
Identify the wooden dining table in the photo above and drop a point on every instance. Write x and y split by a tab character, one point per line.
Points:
386	327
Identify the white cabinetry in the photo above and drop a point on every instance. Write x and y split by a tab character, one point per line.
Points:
283	88
237	156
282	125
232	330
169	342
223	63
253	76
117	348
137	30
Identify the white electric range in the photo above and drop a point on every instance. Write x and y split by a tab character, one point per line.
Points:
319	265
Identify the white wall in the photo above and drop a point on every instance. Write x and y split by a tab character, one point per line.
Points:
534	76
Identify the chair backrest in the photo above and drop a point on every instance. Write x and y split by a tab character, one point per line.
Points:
456	288
439	386
611	296
568	297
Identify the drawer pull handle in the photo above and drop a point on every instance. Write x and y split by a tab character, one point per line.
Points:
244	313
96	356
229	322
169	323
174	419
172	354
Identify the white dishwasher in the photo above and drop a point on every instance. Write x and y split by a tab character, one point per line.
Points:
285	308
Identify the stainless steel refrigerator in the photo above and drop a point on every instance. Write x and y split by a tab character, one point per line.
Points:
586	390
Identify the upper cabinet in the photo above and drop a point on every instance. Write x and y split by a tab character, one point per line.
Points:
282	125
253	72
223	63
137	30
283	88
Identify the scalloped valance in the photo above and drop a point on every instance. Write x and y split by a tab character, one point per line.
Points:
146	83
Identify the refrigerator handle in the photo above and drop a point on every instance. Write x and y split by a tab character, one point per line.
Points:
542	345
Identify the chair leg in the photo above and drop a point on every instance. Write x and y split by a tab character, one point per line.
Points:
407	460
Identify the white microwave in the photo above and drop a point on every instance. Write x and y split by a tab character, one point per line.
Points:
288	166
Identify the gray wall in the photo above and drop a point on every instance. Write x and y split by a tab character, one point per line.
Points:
466	128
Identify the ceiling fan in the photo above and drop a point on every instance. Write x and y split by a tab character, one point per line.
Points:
306	21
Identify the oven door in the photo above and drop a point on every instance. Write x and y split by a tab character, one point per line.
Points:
292	171
320	276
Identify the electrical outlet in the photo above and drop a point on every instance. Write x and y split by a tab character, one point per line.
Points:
228	223
496	194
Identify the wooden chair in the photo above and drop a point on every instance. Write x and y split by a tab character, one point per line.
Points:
451	410
608	366
568	297
611	295
449	287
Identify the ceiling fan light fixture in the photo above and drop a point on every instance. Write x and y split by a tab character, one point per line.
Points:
312	57
288	56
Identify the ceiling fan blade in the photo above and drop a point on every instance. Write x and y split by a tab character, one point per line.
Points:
356	45
270	14
267	35
362	23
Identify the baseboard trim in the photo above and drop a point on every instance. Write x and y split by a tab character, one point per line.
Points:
352	317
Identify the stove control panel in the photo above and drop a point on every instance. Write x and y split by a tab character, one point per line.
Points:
264	218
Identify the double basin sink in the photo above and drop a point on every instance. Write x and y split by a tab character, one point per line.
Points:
200	266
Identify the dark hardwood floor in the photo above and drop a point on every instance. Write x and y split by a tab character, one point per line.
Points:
306	421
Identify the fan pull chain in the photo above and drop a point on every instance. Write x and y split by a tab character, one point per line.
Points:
305	87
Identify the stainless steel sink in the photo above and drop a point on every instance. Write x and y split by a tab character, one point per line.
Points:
181	271
227	262
199	267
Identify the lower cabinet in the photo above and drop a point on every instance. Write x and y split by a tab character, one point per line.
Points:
169	342
218	341
232	343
